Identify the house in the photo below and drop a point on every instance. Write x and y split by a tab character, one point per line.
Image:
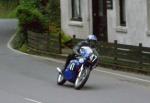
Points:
127	21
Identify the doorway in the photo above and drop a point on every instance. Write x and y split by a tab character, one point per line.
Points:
100	19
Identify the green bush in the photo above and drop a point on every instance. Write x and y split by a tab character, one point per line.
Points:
30	18
65	37
54	12
39	15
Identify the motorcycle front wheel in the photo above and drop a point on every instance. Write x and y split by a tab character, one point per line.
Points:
81	79
60	79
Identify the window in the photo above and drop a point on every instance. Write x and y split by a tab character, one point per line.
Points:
76	10
122	12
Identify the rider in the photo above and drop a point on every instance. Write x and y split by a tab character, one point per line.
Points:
90	41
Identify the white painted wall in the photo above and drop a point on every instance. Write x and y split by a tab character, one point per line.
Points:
137	25
137	29
80	29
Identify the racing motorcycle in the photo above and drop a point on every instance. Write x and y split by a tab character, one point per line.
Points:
78	70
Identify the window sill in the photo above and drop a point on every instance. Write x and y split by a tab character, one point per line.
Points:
121	29
76	23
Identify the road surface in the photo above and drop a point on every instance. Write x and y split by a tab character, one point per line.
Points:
26	79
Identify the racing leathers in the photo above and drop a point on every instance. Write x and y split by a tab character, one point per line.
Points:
76	51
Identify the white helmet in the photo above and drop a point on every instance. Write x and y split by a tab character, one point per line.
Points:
92	37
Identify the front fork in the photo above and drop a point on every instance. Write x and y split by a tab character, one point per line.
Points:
81	70
59	70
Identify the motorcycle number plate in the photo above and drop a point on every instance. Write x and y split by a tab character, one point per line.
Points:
72	65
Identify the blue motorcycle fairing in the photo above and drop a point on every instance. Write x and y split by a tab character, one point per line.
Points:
71	72
70	75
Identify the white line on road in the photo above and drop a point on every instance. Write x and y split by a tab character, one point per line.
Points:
36	56
32	100
125	76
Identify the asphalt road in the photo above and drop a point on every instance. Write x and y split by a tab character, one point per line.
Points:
26	79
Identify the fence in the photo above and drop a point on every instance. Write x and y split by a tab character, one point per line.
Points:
113	54
123	56
44	43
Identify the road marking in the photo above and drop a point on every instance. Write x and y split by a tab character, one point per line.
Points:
121	75
35	56
60	61
14	50
32	100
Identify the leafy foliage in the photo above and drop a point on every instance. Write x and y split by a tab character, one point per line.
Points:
54	11
40	16
30	17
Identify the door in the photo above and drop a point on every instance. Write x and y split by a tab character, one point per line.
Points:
100	19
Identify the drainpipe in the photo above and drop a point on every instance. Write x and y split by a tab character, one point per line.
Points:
88	18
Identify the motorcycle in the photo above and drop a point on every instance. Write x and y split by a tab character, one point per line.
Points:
78	70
